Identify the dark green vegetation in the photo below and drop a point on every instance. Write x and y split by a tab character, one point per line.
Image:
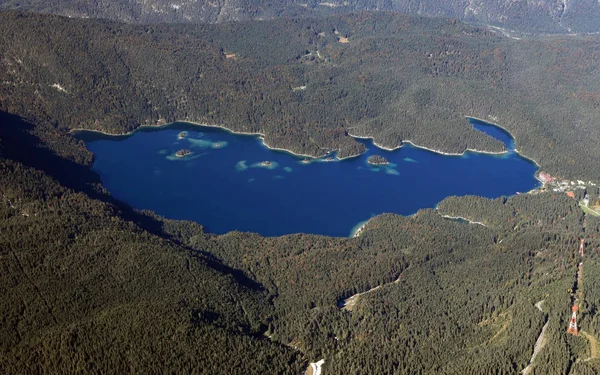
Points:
91	285
88	286
398	78
546	16
152	11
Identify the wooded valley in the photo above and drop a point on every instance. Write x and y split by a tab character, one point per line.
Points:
91	285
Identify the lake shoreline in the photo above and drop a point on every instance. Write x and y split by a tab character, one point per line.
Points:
516	150
511	135
359	228
352	156
431	149
491	123
263	182
262	136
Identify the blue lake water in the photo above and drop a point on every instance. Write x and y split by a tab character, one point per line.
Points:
223	186
494	131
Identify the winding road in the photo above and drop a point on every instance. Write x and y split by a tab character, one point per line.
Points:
350	302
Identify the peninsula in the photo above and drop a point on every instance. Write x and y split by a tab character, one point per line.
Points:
97	279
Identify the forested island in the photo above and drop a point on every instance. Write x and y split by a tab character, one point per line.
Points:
377	160
91	285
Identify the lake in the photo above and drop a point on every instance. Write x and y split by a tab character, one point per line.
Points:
224	185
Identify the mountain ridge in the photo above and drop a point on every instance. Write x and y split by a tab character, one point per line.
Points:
546	16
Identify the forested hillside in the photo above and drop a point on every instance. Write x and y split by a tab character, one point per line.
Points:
91	285
308	83
546	16
94	286
155	11
87	288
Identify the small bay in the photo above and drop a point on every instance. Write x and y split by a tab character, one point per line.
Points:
233	182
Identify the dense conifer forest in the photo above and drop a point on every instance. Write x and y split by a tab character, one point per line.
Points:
91	285
94	286
308	83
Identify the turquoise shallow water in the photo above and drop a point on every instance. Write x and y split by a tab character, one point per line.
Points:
223	186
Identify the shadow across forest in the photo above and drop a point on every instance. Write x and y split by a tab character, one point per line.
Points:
20	141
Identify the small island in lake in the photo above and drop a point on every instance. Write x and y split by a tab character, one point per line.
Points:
377	160
182	153
266	163
182	135
305	161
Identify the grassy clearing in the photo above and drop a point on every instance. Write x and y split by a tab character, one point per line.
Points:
588	210
593	345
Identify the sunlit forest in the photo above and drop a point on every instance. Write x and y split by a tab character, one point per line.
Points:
91	285
474	286
308	84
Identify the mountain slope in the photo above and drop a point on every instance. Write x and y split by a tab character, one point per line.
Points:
91	285
87	289
546	16
392	77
